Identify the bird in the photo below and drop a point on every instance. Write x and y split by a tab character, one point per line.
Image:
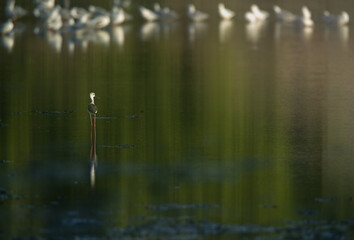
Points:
224	12
122	3
284	15
13	11
45	3
78	13
6	27
97	11
98	22
340	20
250	17
53	20
165	13
259	14
157	8
92	108
148	14
168	14
305	12
305	18
55	24
117	15
196	15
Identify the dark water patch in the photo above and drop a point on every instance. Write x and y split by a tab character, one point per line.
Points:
156	227
30	238
307	212
7	195
3	125
119	146
324	200
136	115
195	172
78	237
54	203
318	229
169	228
72	222
3	194
29	206
174	206
131	116
106	118
270	206
47	112
4	161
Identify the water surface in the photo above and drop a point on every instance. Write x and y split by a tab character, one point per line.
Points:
205	130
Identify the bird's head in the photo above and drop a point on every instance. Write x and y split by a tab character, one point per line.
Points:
191	8
92	95
345	15
276	9
254	8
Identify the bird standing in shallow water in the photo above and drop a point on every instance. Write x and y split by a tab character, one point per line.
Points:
92	110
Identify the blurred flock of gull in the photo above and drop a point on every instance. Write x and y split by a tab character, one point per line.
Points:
93	23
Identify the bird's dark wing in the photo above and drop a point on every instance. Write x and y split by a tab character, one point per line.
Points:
92	108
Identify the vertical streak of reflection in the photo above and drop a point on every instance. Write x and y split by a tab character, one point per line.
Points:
225	30
93	153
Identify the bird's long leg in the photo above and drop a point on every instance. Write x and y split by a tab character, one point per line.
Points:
91	138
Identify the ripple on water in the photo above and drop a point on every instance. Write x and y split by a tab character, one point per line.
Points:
188	228
119	146
174	206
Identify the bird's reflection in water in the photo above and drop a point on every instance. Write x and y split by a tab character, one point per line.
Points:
195	30
306	33
55	40
339	32
8	41
254	31
167	28
93	163
93	153
343	34
225	30
150	30
118	35
100	37
278	29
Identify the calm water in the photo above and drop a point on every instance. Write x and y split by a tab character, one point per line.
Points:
205	131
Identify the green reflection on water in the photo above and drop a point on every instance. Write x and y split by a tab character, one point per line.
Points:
259	133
